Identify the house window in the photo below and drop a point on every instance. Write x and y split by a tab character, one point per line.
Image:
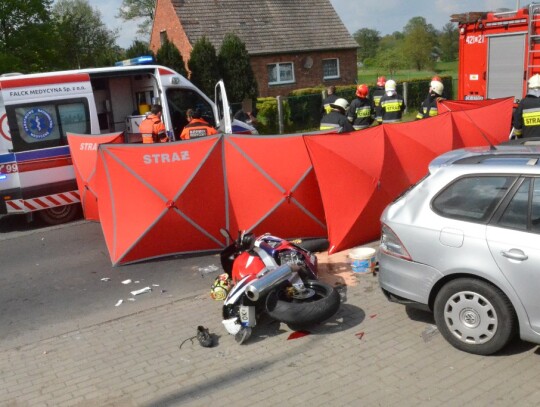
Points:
162	37
281	73
330	68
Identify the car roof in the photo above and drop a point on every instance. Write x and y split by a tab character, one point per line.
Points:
502	158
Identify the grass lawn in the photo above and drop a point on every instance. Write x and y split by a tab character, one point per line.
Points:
369	75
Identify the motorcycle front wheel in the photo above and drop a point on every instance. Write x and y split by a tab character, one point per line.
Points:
320	306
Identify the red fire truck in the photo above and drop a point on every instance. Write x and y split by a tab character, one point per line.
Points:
498	52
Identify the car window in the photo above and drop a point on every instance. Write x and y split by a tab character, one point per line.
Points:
535	207
472	198
180	100
515	215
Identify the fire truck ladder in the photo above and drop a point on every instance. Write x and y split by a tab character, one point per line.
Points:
533	59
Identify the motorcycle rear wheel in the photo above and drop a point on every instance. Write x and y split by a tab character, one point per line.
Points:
304	312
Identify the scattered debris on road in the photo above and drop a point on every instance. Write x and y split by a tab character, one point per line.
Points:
128	281
141	291
298	334
429	333
208	269
118	303
106	279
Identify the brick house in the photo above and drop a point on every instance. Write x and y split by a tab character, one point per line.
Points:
292	44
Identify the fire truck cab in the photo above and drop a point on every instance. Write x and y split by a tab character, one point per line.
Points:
498	52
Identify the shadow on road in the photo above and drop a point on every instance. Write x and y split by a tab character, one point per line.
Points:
20	223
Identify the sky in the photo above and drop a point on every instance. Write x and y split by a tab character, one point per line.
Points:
385	16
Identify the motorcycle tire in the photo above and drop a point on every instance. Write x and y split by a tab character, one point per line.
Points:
324	304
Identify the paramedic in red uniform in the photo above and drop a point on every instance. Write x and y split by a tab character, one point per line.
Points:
197	126
527	115
152	128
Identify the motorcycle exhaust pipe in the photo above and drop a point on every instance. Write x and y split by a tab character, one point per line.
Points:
269	280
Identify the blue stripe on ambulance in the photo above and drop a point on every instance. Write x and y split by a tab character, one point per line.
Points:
7	158
39	154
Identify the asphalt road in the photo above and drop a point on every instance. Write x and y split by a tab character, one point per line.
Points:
51	280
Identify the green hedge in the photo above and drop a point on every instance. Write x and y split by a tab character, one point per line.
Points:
302	107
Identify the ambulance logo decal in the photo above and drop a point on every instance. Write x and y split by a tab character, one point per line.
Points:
38	124
4	128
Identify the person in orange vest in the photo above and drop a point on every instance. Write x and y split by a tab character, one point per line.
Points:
152	128
197	126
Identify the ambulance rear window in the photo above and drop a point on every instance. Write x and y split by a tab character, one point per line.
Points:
44	124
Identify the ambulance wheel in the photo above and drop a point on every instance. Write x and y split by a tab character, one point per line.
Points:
60	214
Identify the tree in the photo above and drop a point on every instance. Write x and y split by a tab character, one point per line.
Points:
137	49
17	15
419	42
139	9
368	40
169	55
26	36
204	67
34	50
448	42
236	70
83	39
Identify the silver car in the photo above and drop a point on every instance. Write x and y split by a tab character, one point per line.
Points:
464	243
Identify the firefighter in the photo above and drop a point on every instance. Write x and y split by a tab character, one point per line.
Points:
331	98
378	93
152	128
197	126
361	111
336	119
429	105
526	120
392	104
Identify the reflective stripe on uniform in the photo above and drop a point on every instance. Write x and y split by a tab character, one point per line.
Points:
329	126
392	105
364	111
531	117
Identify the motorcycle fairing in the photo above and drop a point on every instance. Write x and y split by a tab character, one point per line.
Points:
238	290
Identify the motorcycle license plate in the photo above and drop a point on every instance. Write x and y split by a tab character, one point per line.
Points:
247	315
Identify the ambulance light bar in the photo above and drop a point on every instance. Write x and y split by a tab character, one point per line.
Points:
145	59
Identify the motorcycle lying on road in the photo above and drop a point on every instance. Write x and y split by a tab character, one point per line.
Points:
267	274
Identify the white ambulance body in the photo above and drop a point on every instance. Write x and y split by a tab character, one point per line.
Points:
36	111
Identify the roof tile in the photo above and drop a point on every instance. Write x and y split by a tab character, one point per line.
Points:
266	26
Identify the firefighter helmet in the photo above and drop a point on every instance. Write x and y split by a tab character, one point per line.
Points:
340	103
381	80
362	90
390	85
534	81
221	287
437	87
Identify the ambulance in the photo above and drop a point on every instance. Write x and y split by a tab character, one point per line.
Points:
37	110
498	52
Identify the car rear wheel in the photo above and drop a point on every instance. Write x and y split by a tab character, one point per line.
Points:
475	316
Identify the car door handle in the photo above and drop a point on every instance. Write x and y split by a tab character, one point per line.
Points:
515	254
